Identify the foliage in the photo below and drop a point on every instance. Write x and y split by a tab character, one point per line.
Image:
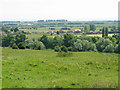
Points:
102	43
8	40
70	48
57	49
14	46
64	49
68	40
21	45
92	27
37	45
84	45
44	40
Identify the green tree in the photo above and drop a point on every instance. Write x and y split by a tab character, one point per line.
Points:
8	40
106	31
103	32
58	32
58	41
92	27
20	38
87	28
16	29
45	41
68	40
109	48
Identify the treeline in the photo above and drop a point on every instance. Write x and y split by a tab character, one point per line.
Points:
60	20
65	43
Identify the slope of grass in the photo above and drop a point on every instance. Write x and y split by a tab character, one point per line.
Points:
44	69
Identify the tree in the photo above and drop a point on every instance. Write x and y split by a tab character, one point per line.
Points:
58	32
16	29
109	48
8	40
68	40
87	28
92	27
37	45
106	31
103	32
102	43
45	41
84	45
58	41
20	38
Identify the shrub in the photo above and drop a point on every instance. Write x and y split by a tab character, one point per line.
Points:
102	43
27	42
109	48
84	45
37	45
21	45
70	48
14	46
64	49
64	54
57	49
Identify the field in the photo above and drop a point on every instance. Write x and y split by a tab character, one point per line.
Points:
44	69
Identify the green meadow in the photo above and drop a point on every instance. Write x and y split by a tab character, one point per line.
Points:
45	69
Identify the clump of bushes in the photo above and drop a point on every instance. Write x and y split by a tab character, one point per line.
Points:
106	45
64	49
60	49
34	44
21	45
57	49
84	45
14	46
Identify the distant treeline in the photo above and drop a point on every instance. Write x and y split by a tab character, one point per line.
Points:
60	20
10	21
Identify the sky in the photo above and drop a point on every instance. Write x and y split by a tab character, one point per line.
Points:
73	10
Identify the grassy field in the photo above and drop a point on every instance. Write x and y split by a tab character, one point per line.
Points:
44	69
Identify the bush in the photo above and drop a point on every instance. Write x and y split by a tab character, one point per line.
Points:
14	46
27	42
37	45
109	48
64	49
102	43
84	45
70	48
64	54
57	49
21	45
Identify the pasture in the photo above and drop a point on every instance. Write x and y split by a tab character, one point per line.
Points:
44	69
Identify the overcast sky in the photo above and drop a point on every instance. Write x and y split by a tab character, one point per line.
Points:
59	9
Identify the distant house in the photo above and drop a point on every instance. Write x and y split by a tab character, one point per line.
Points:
69	31
77	31
51	32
